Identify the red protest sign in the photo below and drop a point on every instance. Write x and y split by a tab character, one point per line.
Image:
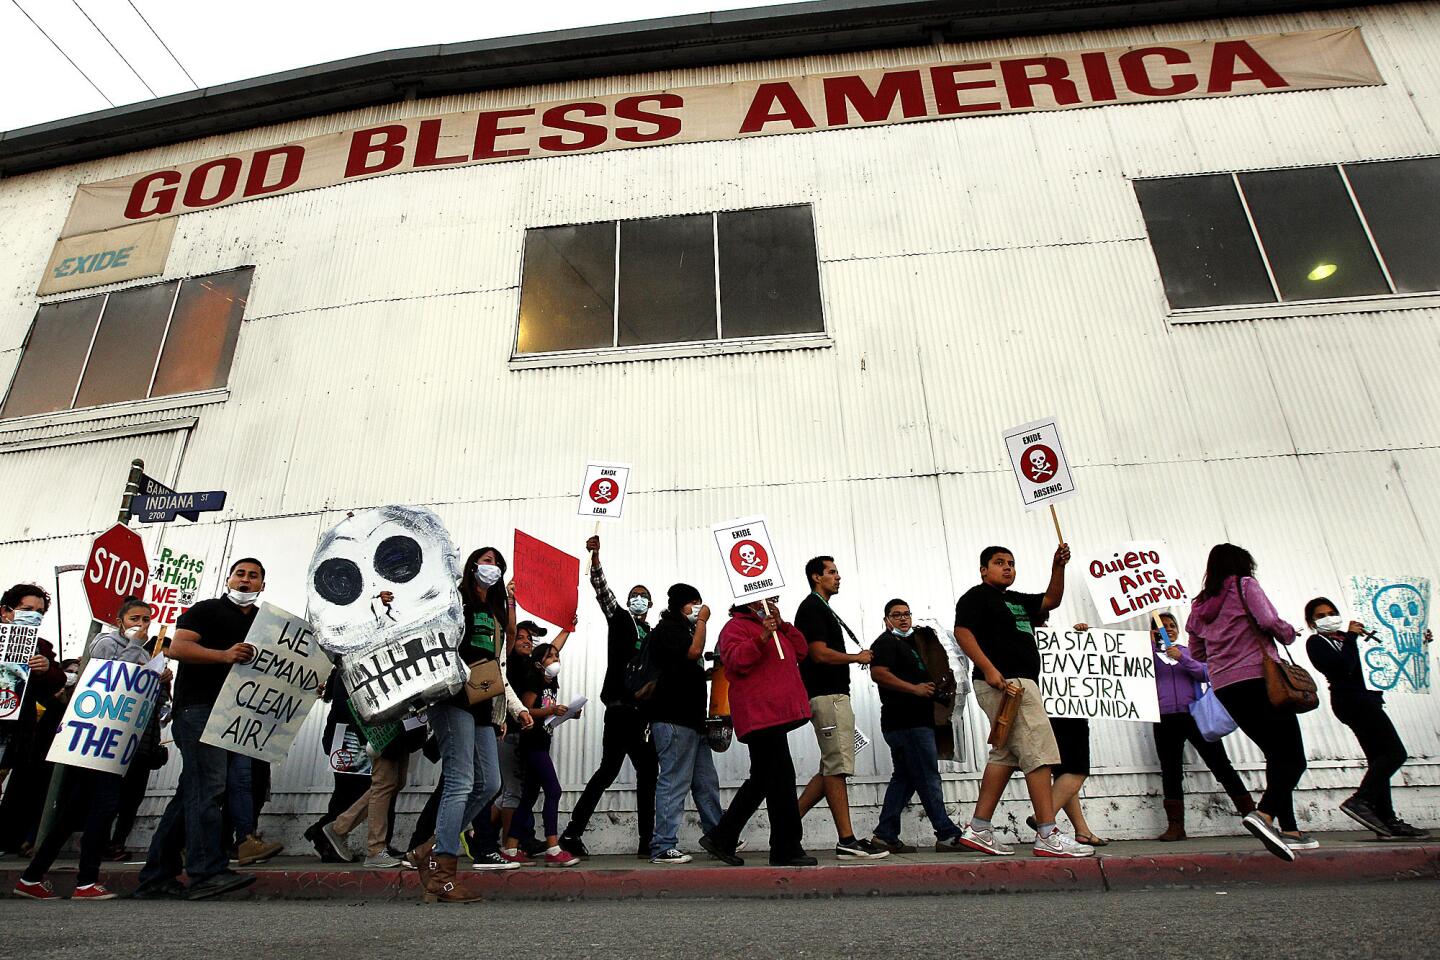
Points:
547	580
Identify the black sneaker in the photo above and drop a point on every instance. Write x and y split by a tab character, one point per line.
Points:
166	889
894	846
1365	815
1268	834
860	850
220	883
723	854
323	849
801	859
1401	830
573	846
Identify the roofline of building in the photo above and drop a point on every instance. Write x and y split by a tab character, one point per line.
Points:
758	33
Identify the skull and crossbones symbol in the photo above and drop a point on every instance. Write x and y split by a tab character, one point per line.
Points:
1040	466
604	491
750	562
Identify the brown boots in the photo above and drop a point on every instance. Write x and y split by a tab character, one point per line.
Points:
420	857
442	887
1175	814
1243	802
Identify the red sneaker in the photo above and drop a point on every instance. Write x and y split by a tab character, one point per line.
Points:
35	890
516	856
91	891
561	858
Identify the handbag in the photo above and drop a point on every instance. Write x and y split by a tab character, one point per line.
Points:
1211	717
1288	685
484	682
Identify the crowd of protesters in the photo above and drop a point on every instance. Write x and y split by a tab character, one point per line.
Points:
659	710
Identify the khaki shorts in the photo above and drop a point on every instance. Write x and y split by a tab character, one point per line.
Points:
1032	742
835	730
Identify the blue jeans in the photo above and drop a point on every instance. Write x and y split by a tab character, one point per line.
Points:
195	817
469	773
239	798
686	766
917	770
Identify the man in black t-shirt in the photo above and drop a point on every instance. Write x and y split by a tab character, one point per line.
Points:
209	638
994	626
826	672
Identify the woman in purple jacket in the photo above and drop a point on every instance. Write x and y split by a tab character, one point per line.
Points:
1178	677
1233	627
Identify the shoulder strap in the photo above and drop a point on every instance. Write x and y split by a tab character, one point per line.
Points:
843	625
1264	649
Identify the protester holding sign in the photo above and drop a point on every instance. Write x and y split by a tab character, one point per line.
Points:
767	701
625	727
994	627
209	638
1178	676
826	672
535	678
1233	628
90	796
26	604
1334	650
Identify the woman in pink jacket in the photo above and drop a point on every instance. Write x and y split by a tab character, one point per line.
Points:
761	654
1233	627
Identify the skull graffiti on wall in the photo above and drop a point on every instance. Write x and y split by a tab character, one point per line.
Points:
401	655
1401	610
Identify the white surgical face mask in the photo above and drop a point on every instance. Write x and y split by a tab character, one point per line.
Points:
487	574
135	633
694	614
904	633
1335	624
242	598
71	679
639	605
552	671
29	618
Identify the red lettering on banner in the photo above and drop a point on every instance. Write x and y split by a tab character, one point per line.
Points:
427	144
1055	75
947	88
164	198
1097	77
229	168
591	134
877	105
666	126
363	144
488	130
1137	74
770	95
1222	67
255	184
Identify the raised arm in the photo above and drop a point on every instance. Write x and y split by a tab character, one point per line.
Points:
1055	592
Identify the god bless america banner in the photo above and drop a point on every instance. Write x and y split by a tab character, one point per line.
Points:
1079	78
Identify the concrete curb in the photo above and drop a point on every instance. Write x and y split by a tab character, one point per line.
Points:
955	876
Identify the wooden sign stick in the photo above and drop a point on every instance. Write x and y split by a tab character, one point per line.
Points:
159	641
1056	520
776	635
590	557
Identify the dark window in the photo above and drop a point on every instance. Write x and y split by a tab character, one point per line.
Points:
1401	200
767	278
1203	241
1337	232
109	348
768	282
567	296
1314	241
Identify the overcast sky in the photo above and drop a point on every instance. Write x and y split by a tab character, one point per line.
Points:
219	42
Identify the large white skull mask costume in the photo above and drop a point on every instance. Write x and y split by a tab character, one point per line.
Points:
404	655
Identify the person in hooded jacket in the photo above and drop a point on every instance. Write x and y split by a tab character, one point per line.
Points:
1233	628
25	747
762	654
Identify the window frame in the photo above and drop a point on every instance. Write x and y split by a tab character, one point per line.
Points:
1280	308
147	403
675	349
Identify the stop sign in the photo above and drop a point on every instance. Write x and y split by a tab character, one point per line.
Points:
116	569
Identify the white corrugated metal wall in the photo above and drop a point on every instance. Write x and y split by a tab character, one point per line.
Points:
976	273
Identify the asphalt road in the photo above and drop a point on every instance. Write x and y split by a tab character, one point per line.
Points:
1372	921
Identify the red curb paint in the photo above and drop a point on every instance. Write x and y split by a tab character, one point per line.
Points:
1310	867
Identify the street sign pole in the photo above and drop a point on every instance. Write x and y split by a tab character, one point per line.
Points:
132	487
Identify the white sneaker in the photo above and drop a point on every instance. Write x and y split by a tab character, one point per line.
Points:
671	856
1061	845
1265	832
493	861
985	842
1303	842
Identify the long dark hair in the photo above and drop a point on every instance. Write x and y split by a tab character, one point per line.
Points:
1226	560
494	599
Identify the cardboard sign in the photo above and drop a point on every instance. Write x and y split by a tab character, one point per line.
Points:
1038	458
107	715
751	566
1396	611
263	703
17	646
602	491
174	578
547	580
1098	674
350	755
1134	579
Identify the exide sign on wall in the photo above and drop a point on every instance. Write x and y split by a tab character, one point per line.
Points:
1086	78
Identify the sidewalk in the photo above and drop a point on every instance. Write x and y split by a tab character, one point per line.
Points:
1122	866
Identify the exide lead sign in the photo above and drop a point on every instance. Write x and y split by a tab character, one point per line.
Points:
749	108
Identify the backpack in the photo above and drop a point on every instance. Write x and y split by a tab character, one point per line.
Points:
642	673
